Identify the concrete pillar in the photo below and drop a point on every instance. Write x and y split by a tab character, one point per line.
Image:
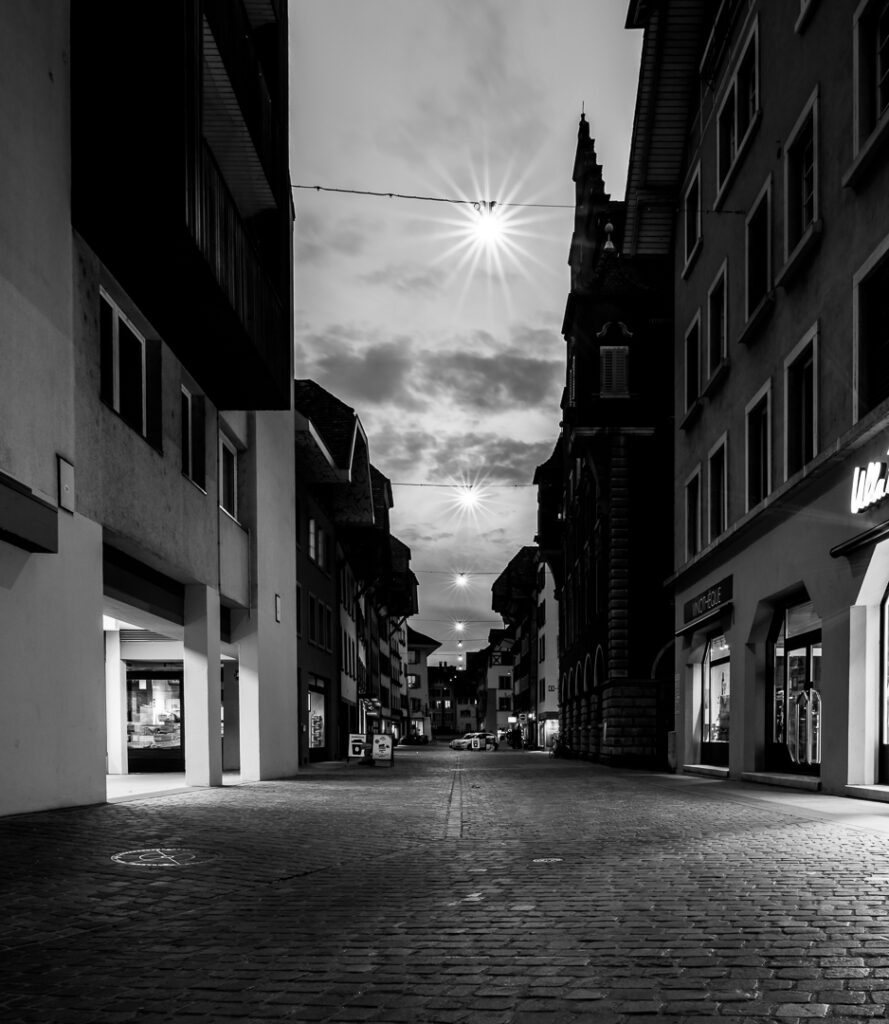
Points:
201	660
115	706
231	740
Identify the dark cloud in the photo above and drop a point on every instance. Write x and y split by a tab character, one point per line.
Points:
504	459
493	382
359	372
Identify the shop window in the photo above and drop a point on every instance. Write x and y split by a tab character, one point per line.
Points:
130	372
313	619
800	404
717	322
317	717
716	701
299	610
693	363
718	493
871	297
693	514
758	252
154	721
883	765
759	466
795	712
193	436
692	218
228	476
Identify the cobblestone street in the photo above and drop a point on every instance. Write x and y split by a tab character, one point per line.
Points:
497	888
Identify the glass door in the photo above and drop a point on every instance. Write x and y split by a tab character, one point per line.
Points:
155	721
883	758
716	702
793	742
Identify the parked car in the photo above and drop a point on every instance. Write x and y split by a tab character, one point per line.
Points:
465	742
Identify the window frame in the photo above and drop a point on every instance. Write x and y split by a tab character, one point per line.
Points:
192	448
692	401
721	445
615	383
795	238
227	445
860	278
693	477
721	278
111	389
691	251
790	361
763	199
869	123
764	395
739	142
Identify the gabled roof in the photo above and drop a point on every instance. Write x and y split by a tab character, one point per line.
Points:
420	641
335	421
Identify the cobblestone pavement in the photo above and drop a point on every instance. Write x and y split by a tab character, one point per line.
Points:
487	888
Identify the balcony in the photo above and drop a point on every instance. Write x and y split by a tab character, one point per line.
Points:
179	171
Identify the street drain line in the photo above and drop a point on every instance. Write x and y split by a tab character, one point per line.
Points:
454	819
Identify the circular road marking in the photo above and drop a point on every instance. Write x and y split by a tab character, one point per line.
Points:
161	857
546	860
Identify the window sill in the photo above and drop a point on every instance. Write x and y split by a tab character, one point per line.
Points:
865	159
758	319
226	512
692	258
743	146
803	251
716	377
196	485
692	414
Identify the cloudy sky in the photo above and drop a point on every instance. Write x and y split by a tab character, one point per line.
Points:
448	347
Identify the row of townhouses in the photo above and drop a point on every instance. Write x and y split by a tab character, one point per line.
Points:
196	567
714	511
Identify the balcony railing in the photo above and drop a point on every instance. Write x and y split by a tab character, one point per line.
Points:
219	233
231	30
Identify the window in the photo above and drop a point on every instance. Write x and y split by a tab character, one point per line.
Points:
313	619
693	363
738	113
504	682
228	476
795	710
716	696
800	404
759	463
541	648
717	321
413	681
871	42
613	361
870	320
328	619
299	610
692	206
758	251
130	373
313	539
693	514
801	177
192	444
504	704
718	494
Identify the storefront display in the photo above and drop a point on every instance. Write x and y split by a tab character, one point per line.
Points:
317	720
154	722
716	702
795	712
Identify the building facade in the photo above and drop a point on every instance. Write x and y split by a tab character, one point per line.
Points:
133	495
781	261
607	548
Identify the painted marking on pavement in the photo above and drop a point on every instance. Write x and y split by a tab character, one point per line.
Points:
162	857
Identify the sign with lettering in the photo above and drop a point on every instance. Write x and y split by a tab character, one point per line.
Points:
710	600
382	747
356	744
869	485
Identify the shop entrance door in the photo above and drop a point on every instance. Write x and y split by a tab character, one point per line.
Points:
716	703
883	756
794	714
155	721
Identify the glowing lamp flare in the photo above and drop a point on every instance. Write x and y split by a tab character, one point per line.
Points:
459	626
